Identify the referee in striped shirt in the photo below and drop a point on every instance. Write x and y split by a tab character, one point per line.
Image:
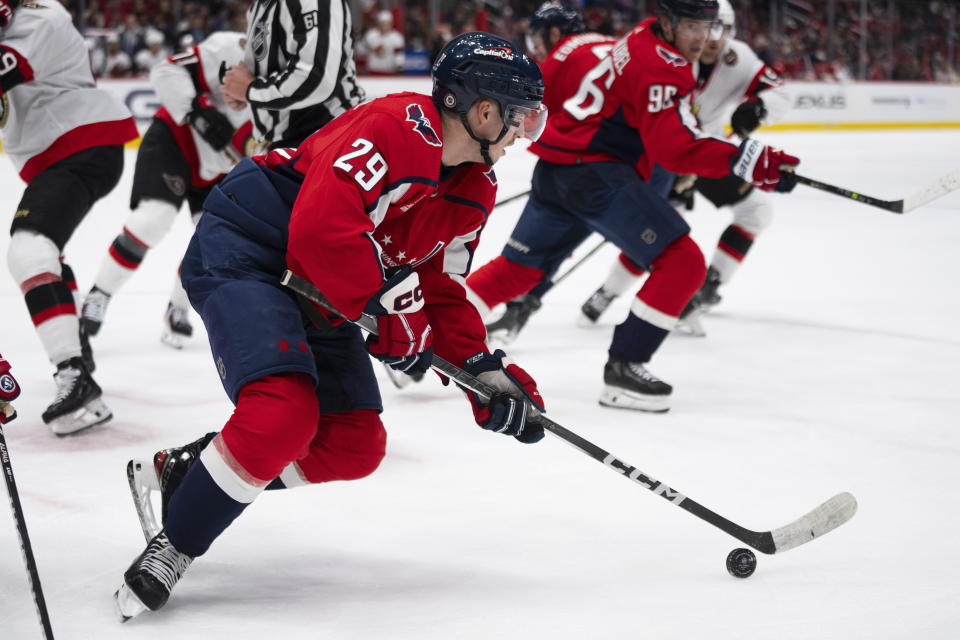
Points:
298	72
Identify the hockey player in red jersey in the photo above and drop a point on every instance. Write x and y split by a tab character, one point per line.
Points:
382	210
624	109
735	88
65	137
193	140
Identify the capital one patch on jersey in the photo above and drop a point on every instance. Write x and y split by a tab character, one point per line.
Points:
422	126
671	57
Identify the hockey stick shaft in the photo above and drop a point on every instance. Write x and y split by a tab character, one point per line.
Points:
25	546
576	265
944	185
824	518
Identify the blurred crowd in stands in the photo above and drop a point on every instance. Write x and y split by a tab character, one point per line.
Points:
897	40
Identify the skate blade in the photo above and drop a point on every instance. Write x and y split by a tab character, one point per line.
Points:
143	481
691	326
127	604
89	415
173	339
617	398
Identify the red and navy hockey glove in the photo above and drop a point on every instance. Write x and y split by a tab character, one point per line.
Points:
9	390
764	167
508	411
213	126
403	335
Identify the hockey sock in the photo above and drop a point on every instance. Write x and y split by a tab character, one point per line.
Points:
636	339
123	257
733	246
178	296
54	314
500	280
66	273
201	509
623	273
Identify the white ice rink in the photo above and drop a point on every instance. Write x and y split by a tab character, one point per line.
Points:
833	364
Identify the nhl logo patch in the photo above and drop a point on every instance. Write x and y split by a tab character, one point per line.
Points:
649	236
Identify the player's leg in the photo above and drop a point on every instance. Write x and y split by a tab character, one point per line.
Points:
161	180
176	319
650	232
52	206
624	273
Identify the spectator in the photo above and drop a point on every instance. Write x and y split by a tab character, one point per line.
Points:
153	53
384	47
116	62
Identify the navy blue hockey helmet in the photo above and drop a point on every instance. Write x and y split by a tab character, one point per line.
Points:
479	65
693	9
555	13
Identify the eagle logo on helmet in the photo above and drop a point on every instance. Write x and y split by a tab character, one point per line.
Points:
671	58
422	126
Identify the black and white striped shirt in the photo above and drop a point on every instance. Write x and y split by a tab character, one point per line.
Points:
301	54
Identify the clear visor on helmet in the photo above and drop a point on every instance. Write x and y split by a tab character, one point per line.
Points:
530	122
698	28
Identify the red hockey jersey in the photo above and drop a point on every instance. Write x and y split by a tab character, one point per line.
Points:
374	197
629	102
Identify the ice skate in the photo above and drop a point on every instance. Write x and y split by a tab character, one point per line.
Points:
93	310
706	298
78	404
399	378
628	385
594	307
160	478
505	329
151	577
176	326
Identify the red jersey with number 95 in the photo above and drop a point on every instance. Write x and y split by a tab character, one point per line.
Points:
374	196
626	101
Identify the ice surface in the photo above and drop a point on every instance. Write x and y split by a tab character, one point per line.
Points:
831	365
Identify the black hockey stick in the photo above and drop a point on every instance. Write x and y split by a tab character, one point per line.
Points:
943	186
24	539
828	516
512	198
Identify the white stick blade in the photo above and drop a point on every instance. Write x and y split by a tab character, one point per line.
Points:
943	186
825	518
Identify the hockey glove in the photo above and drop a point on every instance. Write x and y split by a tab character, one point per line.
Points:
403	335
747	117
213	126
509	410
764	167
681	195
9	390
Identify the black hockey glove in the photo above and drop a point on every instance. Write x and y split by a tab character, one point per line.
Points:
213	126
747	117
681	195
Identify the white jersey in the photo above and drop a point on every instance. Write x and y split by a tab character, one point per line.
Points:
196	72
738	74
384	51
50	107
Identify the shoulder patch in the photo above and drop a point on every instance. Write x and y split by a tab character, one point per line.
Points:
671	58
491	176
422	125
730	58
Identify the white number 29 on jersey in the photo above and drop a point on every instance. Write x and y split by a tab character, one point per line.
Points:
661	97
376	166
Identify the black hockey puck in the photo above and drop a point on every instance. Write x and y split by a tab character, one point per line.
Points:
741	563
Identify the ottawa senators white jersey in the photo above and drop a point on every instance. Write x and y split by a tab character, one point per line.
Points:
738	74
50	107
196	72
